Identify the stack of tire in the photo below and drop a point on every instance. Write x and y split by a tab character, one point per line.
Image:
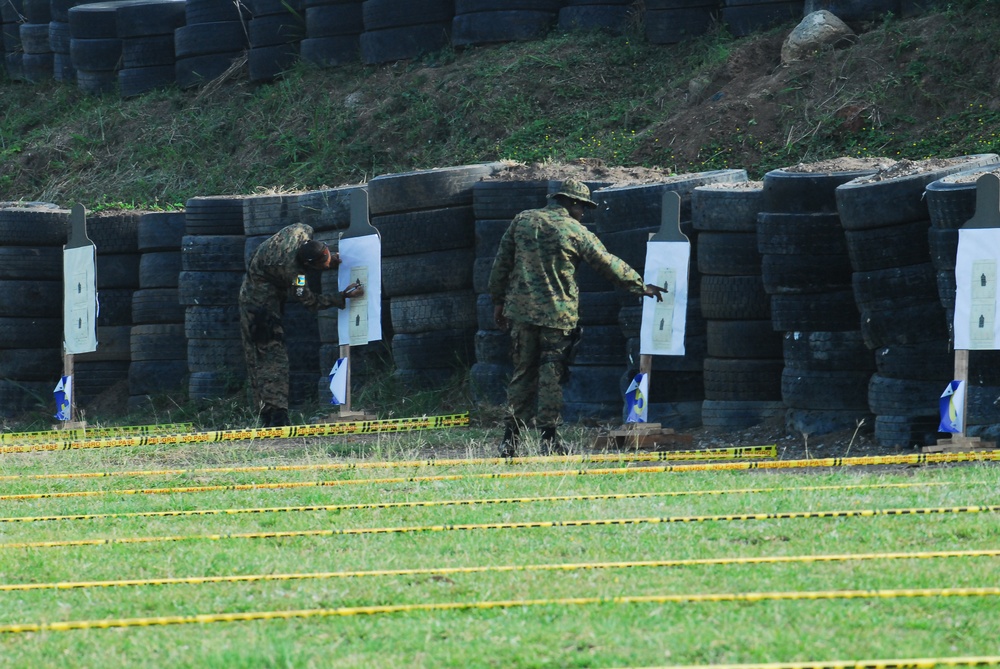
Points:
886	220
158	340
213	37
625	218
951	201
328	212
427	225
495	203
672	21
95	48
612	16
492	21
276	29
12	18
147	34
37	60
31	290
264	215
404	29
59	37
116	237
744	17
333	32
212	269
807	273
740	341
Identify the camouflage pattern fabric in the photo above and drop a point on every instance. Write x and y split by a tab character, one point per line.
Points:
270	280
535	390
534	274
267	369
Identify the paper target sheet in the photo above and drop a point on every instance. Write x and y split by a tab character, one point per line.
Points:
361	260
663	323
976	289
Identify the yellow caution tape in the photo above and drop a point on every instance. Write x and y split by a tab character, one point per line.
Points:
173	513
908	663
81	432
288	432
922	458
600	522
446	571
659	456
346	611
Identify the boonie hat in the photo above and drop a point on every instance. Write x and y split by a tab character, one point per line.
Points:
575	190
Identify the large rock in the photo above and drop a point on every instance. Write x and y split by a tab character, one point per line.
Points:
816	30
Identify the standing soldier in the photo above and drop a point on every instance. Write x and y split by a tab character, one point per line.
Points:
276	269
534	291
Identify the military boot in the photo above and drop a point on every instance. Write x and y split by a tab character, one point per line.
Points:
551	444
279	418
511	439
265	417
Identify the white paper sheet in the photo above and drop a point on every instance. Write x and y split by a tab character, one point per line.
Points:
663	323
361	259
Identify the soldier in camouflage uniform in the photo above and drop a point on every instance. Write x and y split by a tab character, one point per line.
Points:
277	269
534	291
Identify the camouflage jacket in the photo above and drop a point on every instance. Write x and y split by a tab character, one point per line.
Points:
534	274
273	273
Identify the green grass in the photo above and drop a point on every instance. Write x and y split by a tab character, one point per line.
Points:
557	635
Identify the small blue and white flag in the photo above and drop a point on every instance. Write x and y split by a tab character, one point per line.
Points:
338	382
635	399
64	398
953	407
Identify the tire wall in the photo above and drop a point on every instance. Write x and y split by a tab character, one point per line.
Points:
31	341
742	365
212	269
116	237
135	46
902	316
157	338
807	272
427	223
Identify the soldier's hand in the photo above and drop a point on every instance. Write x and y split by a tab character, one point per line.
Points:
500	319
335	259
654	291
354	290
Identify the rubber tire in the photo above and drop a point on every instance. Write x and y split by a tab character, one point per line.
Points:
426	230
734	298
160	231
863	205
426	189
789	191
827	351
503	200
393	44
156	305
212	253
735	379
515	25
826	390
722	209
433	311
834	311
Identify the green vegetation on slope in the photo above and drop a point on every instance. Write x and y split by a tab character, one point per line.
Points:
913	88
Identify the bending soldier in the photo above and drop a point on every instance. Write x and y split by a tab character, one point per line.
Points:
277	269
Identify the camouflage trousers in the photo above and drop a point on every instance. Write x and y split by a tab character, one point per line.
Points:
267	365
535	390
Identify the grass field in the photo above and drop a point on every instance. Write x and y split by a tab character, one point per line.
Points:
519	593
